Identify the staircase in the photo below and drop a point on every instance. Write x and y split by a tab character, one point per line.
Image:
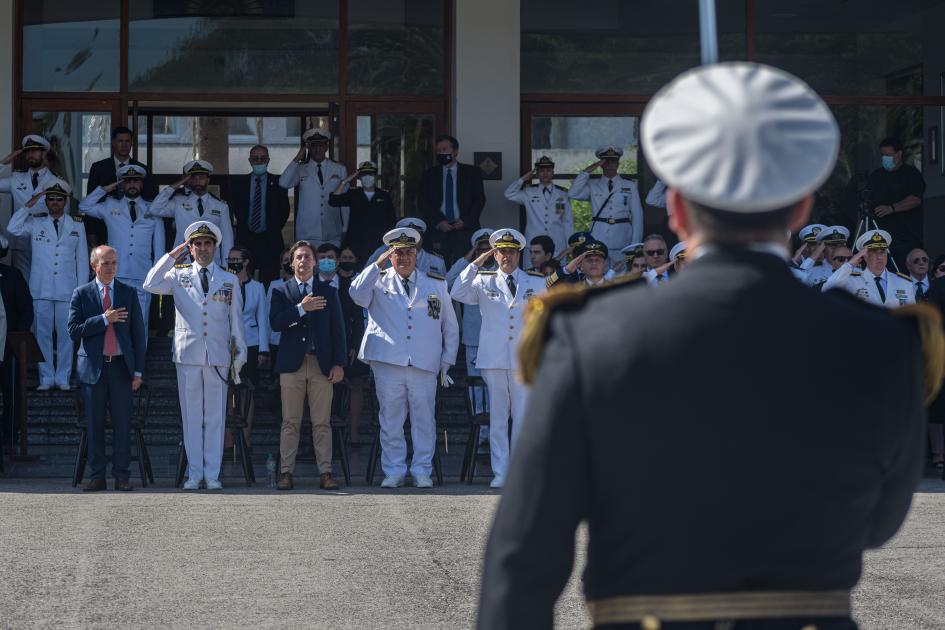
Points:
53	437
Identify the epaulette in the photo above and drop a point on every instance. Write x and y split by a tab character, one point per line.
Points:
904	276
561	188
929	325
181	265
39	215
435	275
440	256
856	273
78	218
537	274
538	314
487	272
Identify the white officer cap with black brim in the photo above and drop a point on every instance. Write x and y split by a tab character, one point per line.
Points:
412	222
507	238
609	152
33	141
482	234
132	171
197	167
740	137
57	188
834	235
678	251
809	233
633	250
199	229
402	237
316	134
874	239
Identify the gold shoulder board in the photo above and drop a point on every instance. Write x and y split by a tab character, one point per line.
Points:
904	276
435	275
487	272
537	274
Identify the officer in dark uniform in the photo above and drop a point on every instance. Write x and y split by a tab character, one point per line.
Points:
709	502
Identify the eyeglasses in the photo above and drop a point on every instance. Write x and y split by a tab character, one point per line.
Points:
919	259
655	252
842	259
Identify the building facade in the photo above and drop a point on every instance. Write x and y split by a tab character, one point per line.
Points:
512	79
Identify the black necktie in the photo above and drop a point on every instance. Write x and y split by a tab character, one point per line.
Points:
448	200
35	180
243	292
919	291
255	217
879	285
321	177
131	209
511	281
547	191
204	281
610	185
406	282
200	206
55	223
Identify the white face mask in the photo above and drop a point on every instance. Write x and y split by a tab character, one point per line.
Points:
367	181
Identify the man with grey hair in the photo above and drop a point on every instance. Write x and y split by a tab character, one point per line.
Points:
105	318
655	253
728	525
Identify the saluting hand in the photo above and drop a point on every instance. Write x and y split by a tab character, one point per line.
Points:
481	260
818	253
593	167
110	187
177	251
799	254
300	156
527	177
180	183
35	198
11	157
383	258
313	303
114	315
857	258
572	266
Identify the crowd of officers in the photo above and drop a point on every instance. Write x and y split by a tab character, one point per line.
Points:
391	283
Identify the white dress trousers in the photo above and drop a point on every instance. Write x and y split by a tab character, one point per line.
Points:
202	394
402	391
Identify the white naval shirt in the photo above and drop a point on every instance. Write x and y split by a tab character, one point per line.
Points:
315	220
184	208
862	284
622	202
138	243
547	211
60	262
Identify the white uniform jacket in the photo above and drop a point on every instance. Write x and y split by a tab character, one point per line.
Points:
501	312
184	208
862	284
256	316
59	263
139	243
815	272
315	220
419	329
205	326
545	213
622	203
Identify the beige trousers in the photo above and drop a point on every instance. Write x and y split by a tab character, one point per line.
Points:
308	379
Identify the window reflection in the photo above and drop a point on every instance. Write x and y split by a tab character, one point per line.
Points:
76	139
402	147
71	46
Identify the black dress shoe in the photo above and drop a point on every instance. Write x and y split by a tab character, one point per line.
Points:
95	485
123	485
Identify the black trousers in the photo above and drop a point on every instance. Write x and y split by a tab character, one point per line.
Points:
113	390
250	371
10	388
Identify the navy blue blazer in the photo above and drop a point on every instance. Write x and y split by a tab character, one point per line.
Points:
326	326
87	325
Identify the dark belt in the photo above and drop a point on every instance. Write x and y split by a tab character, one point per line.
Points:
108	359
650	610
611	220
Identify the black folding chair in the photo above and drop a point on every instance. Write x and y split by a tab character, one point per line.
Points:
141	408
340	411
477	409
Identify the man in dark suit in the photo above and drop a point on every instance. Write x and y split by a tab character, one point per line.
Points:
260	207
105	317
18	306
707	498
311	359
105	172
450	200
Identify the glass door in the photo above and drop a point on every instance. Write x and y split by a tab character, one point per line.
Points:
399	138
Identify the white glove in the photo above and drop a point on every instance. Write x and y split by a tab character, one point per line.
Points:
445	379
237	368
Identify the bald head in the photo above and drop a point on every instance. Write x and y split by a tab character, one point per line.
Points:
104	263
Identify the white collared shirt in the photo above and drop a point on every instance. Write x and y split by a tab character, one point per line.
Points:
924	282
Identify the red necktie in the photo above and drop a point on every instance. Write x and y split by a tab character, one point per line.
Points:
111	341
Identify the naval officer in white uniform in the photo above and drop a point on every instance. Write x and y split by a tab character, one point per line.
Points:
208	338
547	206
411	335
60	263
875	284
426	261
136	236
501	296
316	177
187	201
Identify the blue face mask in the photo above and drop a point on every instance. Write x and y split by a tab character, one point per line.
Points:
889	162
326	265
260	169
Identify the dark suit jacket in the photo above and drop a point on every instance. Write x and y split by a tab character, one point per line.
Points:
936	297
102	173
470	196
16	299
87	326
326	326
698	450
276	212
369	219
